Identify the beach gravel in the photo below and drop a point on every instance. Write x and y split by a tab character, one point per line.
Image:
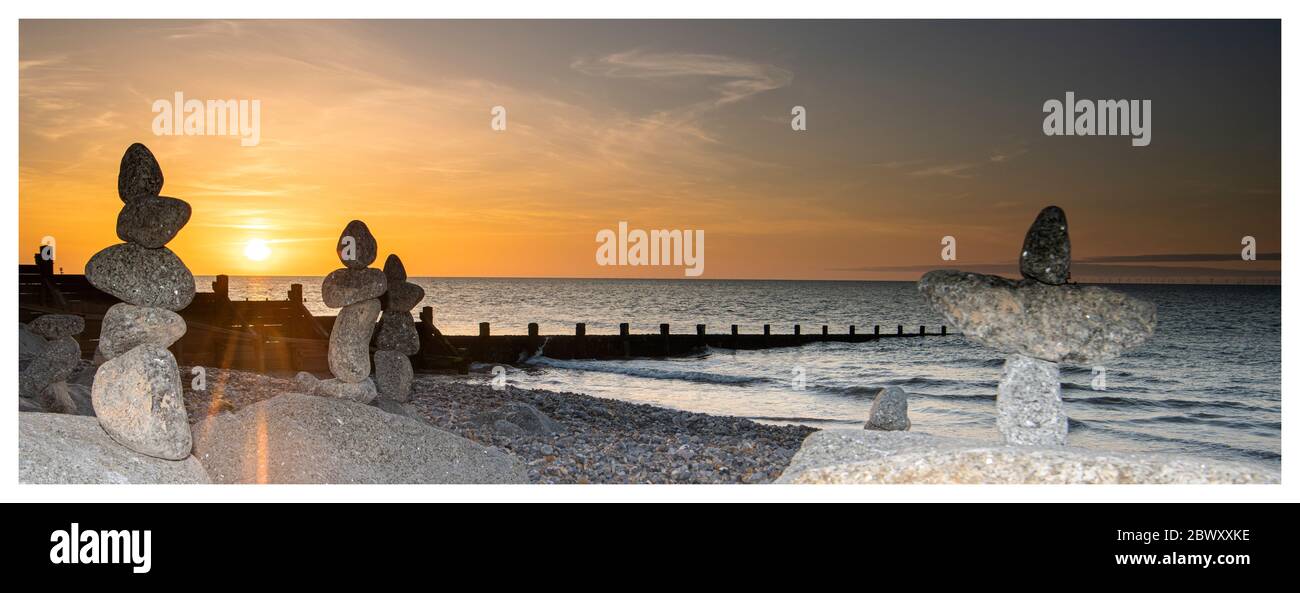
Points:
63	449
876	457
301	439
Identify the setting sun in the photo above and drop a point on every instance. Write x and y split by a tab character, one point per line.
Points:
257	250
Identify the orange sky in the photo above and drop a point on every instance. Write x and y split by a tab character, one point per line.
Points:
664	125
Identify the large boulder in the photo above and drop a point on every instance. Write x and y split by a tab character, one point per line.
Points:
346	286
887	457
63	449
152	221
139	174
1070	323
138	399
301	439
53	327
142	276
53	364
126	326
349	349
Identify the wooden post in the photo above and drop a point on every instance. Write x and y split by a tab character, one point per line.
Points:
877	331
796	329
735	329
580	340
426	316
532	330
943	330
900	330
623	333
923	330
853	330
580	330
826	330
699	335
767	329
221	286
295	293
663	331
484	329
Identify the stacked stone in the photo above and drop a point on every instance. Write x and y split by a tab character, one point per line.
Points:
397	339
44	378
137	390
355	290
1040	321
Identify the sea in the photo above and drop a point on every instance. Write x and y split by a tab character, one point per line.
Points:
1208	383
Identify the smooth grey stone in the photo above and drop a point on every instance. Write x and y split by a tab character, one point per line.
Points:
318	440
142	276
526	417
402	296
81	399
139	174
1029	406
847	456
361	392
349	349
889	410
152	221
306	382
393	375
138	399
126	326
346	286
394	270
1045	256
1071	323
366	248
397	332
56	399
29	345
53	364
63	449
53	327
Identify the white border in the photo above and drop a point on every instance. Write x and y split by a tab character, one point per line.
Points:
750	9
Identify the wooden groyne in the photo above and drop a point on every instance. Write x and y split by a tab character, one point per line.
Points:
486	347
284	336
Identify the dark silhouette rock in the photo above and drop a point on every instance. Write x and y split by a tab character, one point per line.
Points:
346	286
1045	256
364	248
142	276
152	221
139	174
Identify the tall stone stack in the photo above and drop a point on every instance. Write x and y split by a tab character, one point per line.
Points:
137	390
44	378
355	290
1040	321
397	339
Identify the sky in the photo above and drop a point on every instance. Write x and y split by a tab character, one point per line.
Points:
915	131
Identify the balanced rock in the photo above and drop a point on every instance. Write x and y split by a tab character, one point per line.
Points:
126	326
53	364
1045	256
397	332
402	296
142	276
316	440
139	174
393	375
1029	406
394	270
152	221
1071	323
63	449
53	327
138	399
349	348
347	286
363	391
889	410
357	248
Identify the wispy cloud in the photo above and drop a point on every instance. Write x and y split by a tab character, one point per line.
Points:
742	78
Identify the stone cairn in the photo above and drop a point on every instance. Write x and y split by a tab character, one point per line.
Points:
44	379
137	392
355	290
1040	321
396	339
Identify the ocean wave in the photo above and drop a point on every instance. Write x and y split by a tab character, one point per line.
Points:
627	368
